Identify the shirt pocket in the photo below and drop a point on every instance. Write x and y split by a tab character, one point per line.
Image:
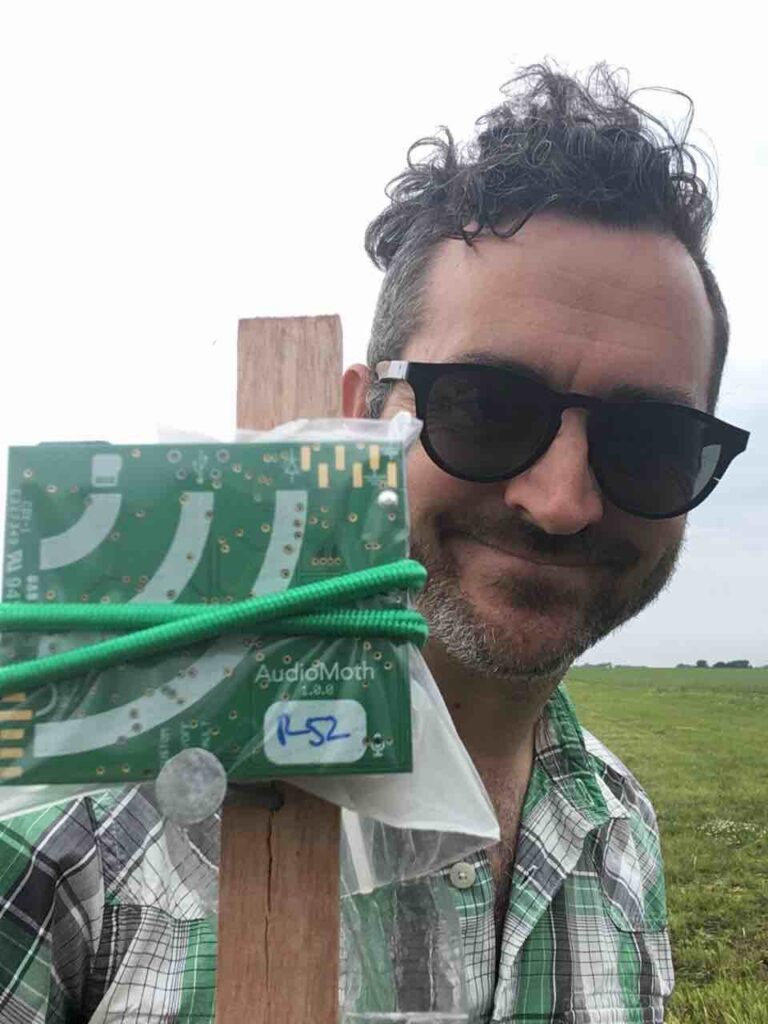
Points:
627	858
631	875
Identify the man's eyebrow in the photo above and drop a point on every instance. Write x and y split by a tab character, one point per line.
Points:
656	393
618	393
503	363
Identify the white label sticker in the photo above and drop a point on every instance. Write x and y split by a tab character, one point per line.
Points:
315	732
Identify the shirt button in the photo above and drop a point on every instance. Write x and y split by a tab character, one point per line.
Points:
463	875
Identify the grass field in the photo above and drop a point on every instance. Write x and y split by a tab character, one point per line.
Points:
697	739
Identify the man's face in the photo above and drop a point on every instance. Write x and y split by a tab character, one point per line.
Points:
527	574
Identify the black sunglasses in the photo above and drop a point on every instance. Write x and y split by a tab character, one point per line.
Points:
484	424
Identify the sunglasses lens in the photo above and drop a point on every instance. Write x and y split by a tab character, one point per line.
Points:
653	460
485	424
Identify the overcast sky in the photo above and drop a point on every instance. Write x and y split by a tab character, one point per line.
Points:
169	168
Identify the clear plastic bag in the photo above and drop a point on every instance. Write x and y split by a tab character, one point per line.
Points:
402	956
402	827
208	524
412	801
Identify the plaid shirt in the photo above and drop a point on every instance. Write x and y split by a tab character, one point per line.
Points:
107	911
584	940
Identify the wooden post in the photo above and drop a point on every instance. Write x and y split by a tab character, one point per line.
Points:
279	879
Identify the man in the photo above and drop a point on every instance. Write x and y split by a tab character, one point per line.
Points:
548	313
560	260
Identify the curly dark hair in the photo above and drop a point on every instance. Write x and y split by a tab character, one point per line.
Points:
555	143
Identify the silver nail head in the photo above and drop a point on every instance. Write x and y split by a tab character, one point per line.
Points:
191	786
388	499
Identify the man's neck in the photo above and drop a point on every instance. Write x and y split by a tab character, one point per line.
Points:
495	717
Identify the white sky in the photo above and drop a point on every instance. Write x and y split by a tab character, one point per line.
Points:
168	168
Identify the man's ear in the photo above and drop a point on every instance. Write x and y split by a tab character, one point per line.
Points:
354	388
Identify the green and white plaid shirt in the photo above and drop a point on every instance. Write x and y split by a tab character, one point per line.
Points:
106	912
585	938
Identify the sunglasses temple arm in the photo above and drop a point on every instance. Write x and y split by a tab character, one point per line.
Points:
391	370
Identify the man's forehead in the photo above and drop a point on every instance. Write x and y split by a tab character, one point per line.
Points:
653	391
585	306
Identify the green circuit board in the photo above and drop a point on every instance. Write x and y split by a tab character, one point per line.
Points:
205	524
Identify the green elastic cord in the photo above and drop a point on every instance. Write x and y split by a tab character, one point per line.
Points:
312	609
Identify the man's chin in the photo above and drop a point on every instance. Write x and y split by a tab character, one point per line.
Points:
504	638
529	623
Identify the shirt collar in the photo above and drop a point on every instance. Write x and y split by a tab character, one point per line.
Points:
561	754
565	802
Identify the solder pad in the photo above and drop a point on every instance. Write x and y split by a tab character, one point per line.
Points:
205	524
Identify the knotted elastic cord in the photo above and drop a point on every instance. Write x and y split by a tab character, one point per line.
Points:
164	627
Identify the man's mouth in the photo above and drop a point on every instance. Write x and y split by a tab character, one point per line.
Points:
526	555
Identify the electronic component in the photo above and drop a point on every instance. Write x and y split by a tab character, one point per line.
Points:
205	524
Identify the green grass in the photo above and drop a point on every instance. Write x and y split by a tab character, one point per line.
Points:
697	739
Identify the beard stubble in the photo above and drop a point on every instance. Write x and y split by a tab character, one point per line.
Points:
494	650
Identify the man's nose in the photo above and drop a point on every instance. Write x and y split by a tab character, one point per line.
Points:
559	492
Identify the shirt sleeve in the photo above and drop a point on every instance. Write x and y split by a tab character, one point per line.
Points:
107	913
51	907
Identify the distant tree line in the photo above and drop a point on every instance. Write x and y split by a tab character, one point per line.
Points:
701	663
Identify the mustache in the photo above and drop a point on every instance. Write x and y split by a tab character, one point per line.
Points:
518	535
